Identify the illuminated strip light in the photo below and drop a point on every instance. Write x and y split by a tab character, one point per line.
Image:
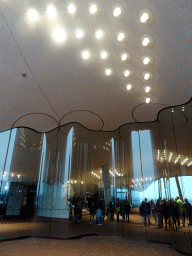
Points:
184	161
189	164
119	174
96	175
170	157
111	173
176	160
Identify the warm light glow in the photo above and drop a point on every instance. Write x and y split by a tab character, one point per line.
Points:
99	34
183	108
85	55
145	41
184	161
32	15
108	72
51	11
103	55
124	56
117	11
93	9
59	35
79	33
121	36
18	176
144	17
129	86
146	76
71	8
126	73
147	100
147	89
146	60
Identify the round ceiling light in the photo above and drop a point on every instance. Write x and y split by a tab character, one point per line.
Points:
147	100
93	9
79	33
59	35
126	73
145	41
86	55
146	60
146	76
124	56
147	89
104	55
120	37
99	34
117	12
129	87
32	15
71	8
108	71
144	17
51	11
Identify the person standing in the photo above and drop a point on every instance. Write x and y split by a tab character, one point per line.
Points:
159	213
180	209
127	211
165	211
153	210
92	212
188	210
70	212
112	209
117	209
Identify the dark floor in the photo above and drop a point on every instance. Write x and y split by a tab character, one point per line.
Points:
133	232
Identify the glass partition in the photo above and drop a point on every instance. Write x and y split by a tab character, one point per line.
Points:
65	175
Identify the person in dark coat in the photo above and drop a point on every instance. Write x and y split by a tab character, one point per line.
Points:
165	211
92	212
112	209
127	211
188	210
145	211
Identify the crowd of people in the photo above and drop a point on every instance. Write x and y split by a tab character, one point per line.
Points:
170	212
99	210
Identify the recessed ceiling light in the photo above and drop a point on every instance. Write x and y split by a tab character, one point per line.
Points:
144	17
59	35
145	41
117	12
121	36
147	89
32	15
99	34
85	55
146	60
126	73
124	56
103	55
147	100
79	33
108	71
146	76
129	86
71	8
93	9
51	11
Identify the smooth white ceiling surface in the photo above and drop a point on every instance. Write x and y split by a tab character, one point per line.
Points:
59	81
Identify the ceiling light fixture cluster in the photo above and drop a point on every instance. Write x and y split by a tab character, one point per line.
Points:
60	36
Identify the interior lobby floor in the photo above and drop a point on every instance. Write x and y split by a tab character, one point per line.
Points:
133	237
96	245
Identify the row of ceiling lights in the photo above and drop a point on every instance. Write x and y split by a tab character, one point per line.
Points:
60	36
164	157
72	9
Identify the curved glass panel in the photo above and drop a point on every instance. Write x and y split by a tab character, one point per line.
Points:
62	177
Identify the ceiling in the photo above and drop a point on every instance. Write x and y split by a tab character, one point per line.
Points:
61	87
